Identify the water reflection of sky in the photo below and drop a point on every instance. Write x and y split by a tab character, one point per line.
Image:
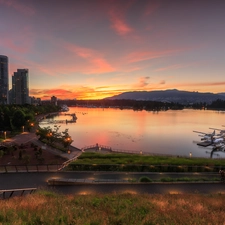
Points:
169	132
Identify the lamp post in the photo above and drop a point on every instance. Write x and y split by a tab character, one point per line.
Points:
5	134
68	144
31	125
22	129
49	136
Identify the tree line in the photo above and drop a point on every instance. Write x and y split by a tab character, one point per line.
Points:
18	117
219	104
149	105
130	104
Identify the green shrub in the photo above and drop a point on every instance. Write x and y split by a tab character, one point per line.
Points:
145	179
167	179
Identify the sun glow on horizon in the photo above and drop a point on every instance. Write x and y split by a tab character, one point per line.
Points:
94	50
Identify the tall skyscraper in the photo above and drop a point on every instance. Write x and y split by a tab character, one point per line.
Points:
4	79
54	100
20	87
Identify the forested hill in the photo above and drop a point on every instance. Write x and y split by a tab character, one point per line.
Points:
183	97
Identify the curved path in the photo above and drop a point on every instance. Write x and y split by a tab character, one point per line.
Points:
39	180
26	137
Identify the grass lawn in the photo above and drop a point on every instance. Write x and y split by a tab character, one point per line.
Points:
113	209
120	158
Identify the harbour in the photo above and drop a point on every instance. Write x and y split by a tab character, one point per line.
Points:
53	121
165	132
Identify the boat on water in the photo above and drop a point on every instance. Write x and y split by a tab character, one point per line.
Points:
64	108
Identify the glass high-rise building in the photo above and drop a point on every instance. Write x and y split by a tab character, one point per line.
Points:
20	87
4	79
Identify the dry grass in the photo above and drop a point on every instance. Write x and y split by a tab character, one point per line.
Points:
113	209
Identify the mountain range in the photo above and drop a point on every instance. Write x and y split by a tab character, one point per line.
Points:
176	96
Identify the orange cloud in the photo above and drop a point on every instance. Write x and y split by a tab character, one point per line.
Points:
78	92
162	82
222	83
46	94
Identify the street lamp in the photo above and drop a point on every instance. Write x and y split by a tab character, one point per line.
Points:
5	134
49	136
68	144
190	154
22	129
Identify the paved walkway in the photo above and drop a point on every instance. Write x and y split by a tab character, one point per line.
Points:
26	137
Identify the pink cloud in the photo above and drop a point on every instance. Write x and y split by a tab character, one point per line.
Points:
18	6
15	47
117	16
146	55
78	59
24	63
151	7
100	65
17	43
172	67
97	63
143	82
119	25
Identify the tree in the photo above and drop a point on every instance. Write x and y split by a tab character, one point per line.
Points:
18	119
56	135
66	138
6	120
1	153
43	132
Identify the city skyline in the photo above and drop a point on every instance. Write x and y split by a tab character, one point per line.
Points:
94	49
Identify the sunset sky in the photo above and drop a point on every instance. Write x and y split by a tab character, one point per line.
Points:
92	49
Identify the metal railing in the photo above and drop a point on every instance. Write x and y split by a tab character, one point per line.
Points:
9	192
145	168
29	168
100	148
97	147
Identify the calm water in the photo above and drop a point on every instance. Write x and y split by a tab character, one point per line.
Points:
169	132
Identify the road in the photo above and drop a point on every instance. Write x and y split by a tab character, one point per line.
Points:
39	180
